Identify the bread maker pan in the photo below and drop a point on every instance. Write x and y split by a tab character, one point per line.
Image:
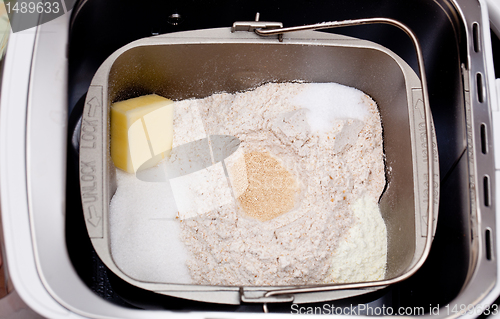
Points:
203	62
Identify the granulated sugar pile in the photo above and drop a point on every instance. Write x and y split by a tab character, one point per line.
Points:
312	152
145	235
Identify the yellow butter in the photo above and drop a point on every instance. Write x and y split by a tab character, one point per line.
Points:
141	131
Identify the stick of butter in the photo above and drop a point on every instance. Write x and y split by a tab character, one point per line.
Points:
141	131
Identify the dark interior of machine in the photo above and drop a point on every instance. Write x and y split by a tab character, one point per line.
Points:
98	28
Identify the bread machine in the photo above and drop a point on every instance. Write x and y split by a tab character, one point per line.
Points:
46	75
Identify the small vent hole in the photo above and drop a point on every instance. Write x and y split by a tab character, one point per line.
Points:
475	36
484	139
486	188
488	245
479	85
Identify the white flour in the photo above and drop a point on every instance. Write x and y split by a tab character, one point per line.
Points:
335	156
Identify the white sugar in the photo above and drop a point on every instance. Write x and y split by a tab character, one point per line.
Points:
327	102
145	237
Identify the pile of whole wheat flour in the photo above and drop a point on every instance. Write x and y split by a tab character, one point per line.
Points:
311	151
